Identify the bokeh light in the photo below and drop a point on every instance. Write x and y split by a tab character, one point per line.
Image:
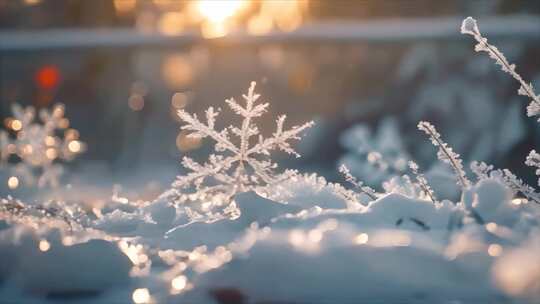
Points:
48	77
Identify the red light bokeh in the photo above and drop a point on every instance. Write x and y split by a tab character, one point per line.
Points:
47	77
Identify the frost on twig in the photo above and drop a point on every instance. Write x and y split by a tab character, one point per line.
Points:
422	182
484	171
238	165
470	27
533	160
357	184
481	169
445	153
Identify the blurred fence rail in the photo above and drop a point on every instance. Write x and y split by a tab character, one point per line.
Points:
376	31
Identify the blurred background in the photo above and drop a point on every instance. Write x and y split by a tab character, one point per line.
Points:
366	71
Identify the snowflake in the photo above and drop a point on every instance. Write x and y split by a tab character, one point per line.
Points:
37	144
239	167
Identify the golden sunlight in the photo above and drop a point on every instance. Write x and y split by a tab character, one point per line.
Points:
218	11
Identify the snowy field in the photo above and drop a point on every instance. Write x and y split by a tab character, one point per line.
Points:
237	228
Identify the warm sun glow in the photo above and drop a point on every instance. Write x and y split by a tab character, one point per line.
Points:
361	239
124	6
74	146
141	296
171	23
16	125
44	245
51	153
50	141
218	11
13	182
491	227
179	283
495	250
177	71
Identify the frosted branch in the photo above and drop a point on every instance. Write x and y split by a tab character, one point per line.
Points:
445	153
357	184
533	160
470	27
422	181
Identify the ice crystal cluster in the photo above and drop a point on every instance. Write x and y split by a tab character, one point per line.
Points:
241	160
470	27
533	160
39	144
485	171
16	211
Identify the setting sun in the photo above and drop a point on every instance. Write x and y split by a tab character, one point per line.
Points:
219	11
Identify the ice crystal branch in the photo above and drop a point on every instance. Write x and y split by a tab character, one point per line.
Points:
422	181
445	153
519	185
470	27
483	171
357	184
239	165
13	210
533	160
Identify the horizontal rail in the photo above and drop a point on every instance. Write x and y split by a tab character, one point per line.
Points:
378	31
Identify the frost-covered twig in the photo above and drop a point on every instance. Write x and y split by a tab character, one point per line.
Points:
533	160
357	184
470	27
421	180
445	153
483	171
519	186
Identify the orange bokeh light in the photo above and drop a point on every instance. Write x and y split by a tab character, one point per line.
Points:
48	77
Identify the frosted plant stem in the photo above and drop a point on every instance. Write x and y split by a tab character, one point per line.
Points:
470	27
421	179
448	155
452	161
357	184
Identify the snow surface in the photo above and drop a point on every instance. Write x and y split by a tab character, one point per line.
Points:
397	249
